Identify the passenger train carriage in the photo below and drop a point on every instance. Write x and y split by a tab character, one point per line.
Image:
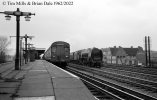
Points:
58	53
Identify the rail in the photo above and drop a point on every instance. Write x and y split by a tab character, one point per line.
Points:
137	94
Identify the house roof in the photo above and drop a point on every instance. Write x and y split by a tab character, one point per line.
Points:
114	51
131	51
128	51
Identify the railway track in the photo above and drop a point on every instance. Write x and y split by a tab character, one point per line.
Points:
135	83
99	92
141	75
5	69
93	86
142	70
7	72
6	63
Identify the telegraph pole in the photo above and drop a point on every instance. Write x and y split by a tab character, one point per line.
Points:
146	50
149	51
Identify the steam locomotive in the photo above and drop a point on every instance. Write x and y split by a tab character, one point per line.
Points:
91	57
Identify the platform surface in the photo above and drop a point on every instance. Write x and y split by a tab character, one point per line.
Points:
42	80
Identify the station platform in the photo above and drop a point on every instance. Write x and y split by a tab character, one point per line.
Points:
41	80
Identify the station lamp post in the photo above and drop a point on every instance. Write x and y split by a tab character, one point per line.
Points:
26	52
17	13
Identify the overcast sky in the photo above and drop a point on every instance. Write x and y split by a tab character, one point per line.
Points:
86	23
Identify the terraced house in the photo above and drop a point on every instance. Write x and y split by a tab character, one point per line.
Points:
124	56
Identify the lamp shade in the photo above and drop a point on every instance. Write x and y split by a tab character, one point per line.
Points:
27	18
7	17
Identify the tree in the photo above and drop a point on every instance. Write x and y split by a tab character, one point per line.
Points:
3	48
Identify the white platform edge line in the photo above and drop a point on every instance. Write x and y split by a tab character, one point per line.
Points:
67	72
35	98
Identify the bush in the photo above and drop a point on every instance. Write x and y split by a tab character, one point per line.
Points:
2	57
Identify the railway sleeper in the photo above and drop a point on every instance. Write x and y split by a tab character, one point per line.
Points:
122	88
148	86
